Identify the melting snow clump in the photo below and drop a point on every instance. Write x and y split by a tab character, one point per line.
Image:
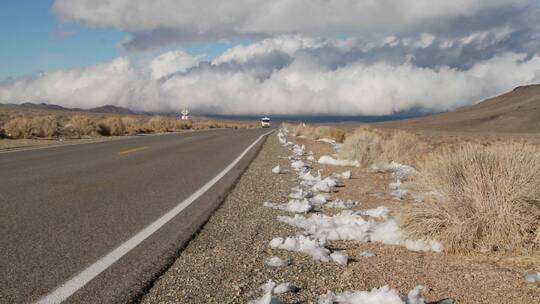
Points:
266	298
311	246
329	160
278	170
351	226
367	254
341	204
379	212
533	278
277	262
339	257
285	287
383	295
294	205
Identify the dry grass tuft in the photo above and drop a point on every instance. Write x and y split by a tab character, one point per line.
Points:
160	124
183	124
403	147
315	132
112	126
362	145
20	127
83	125
133	125
492	198
39	126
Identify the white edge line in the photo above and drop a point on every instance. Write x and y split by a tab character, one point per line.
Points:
67	289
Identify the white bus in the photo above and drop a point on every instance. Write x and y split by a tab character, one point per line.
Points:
265	122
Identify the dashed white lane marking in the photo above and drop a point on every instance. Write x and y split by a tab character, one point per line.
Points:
82	278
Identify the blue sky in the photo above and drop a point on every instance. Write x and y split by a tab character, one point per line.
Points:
34	40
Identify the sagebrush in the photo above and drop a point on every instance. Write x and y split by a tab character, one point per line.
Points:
488	198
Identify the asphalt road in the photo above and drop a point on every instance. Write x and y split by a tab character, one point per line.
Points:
64	208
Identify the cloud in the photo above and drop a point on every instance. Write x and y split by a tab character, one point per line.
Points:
295	74
162	22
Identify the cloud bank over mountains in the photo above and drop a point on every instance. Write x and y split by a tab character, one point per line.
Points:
308	56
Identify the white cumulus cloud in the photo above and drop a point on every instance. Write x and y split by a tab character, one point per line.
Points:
317	76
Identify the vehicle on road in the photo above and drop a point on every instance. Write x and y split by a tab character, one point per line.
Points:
265	122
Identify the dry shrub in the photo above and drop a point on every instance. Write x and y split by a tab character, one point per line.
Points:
20	127
315	132
133	125
362	145
44	126
39	126
83	125
183	124
491	198
112	126
160	124
403	147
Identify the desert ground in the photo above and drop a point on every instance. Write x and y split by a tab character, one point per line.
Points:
401	211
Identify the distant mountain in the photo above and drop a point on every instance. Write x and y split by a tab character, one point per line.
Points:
112	110
517	111
106	109
44	106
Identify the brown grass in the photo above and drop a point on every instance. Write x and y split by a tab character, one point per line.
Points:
492	198
364	146
403	147
39	126
160	124
83	125
372	147
316	132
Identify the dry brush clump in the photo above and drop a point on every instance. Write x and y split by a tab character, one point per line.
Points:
403	147
362	145
39	126
83	125
315	132
160	124
371	147
488	198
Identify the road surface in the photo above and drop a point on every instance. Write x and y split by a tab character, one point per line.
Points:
65	209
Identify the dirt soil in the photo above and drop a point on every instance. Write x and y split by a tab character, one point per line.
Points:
226	261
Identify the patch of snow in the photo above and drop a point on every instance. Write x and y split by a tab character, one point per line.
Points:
383	295
344	175
327	140
311	246
379	212
285	287
396	191
367	254
294	205
329	160
266	298
311	158
351	226
278	170
398	170
299	150
277	262
299	165
319	199
532	278
341	204
339	257
326	185
298	193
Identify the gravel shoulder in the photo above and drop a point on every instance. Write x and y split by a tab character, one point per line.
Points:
226	261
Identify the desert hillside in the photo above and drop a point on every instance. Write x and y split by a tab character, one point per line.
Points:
517	111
